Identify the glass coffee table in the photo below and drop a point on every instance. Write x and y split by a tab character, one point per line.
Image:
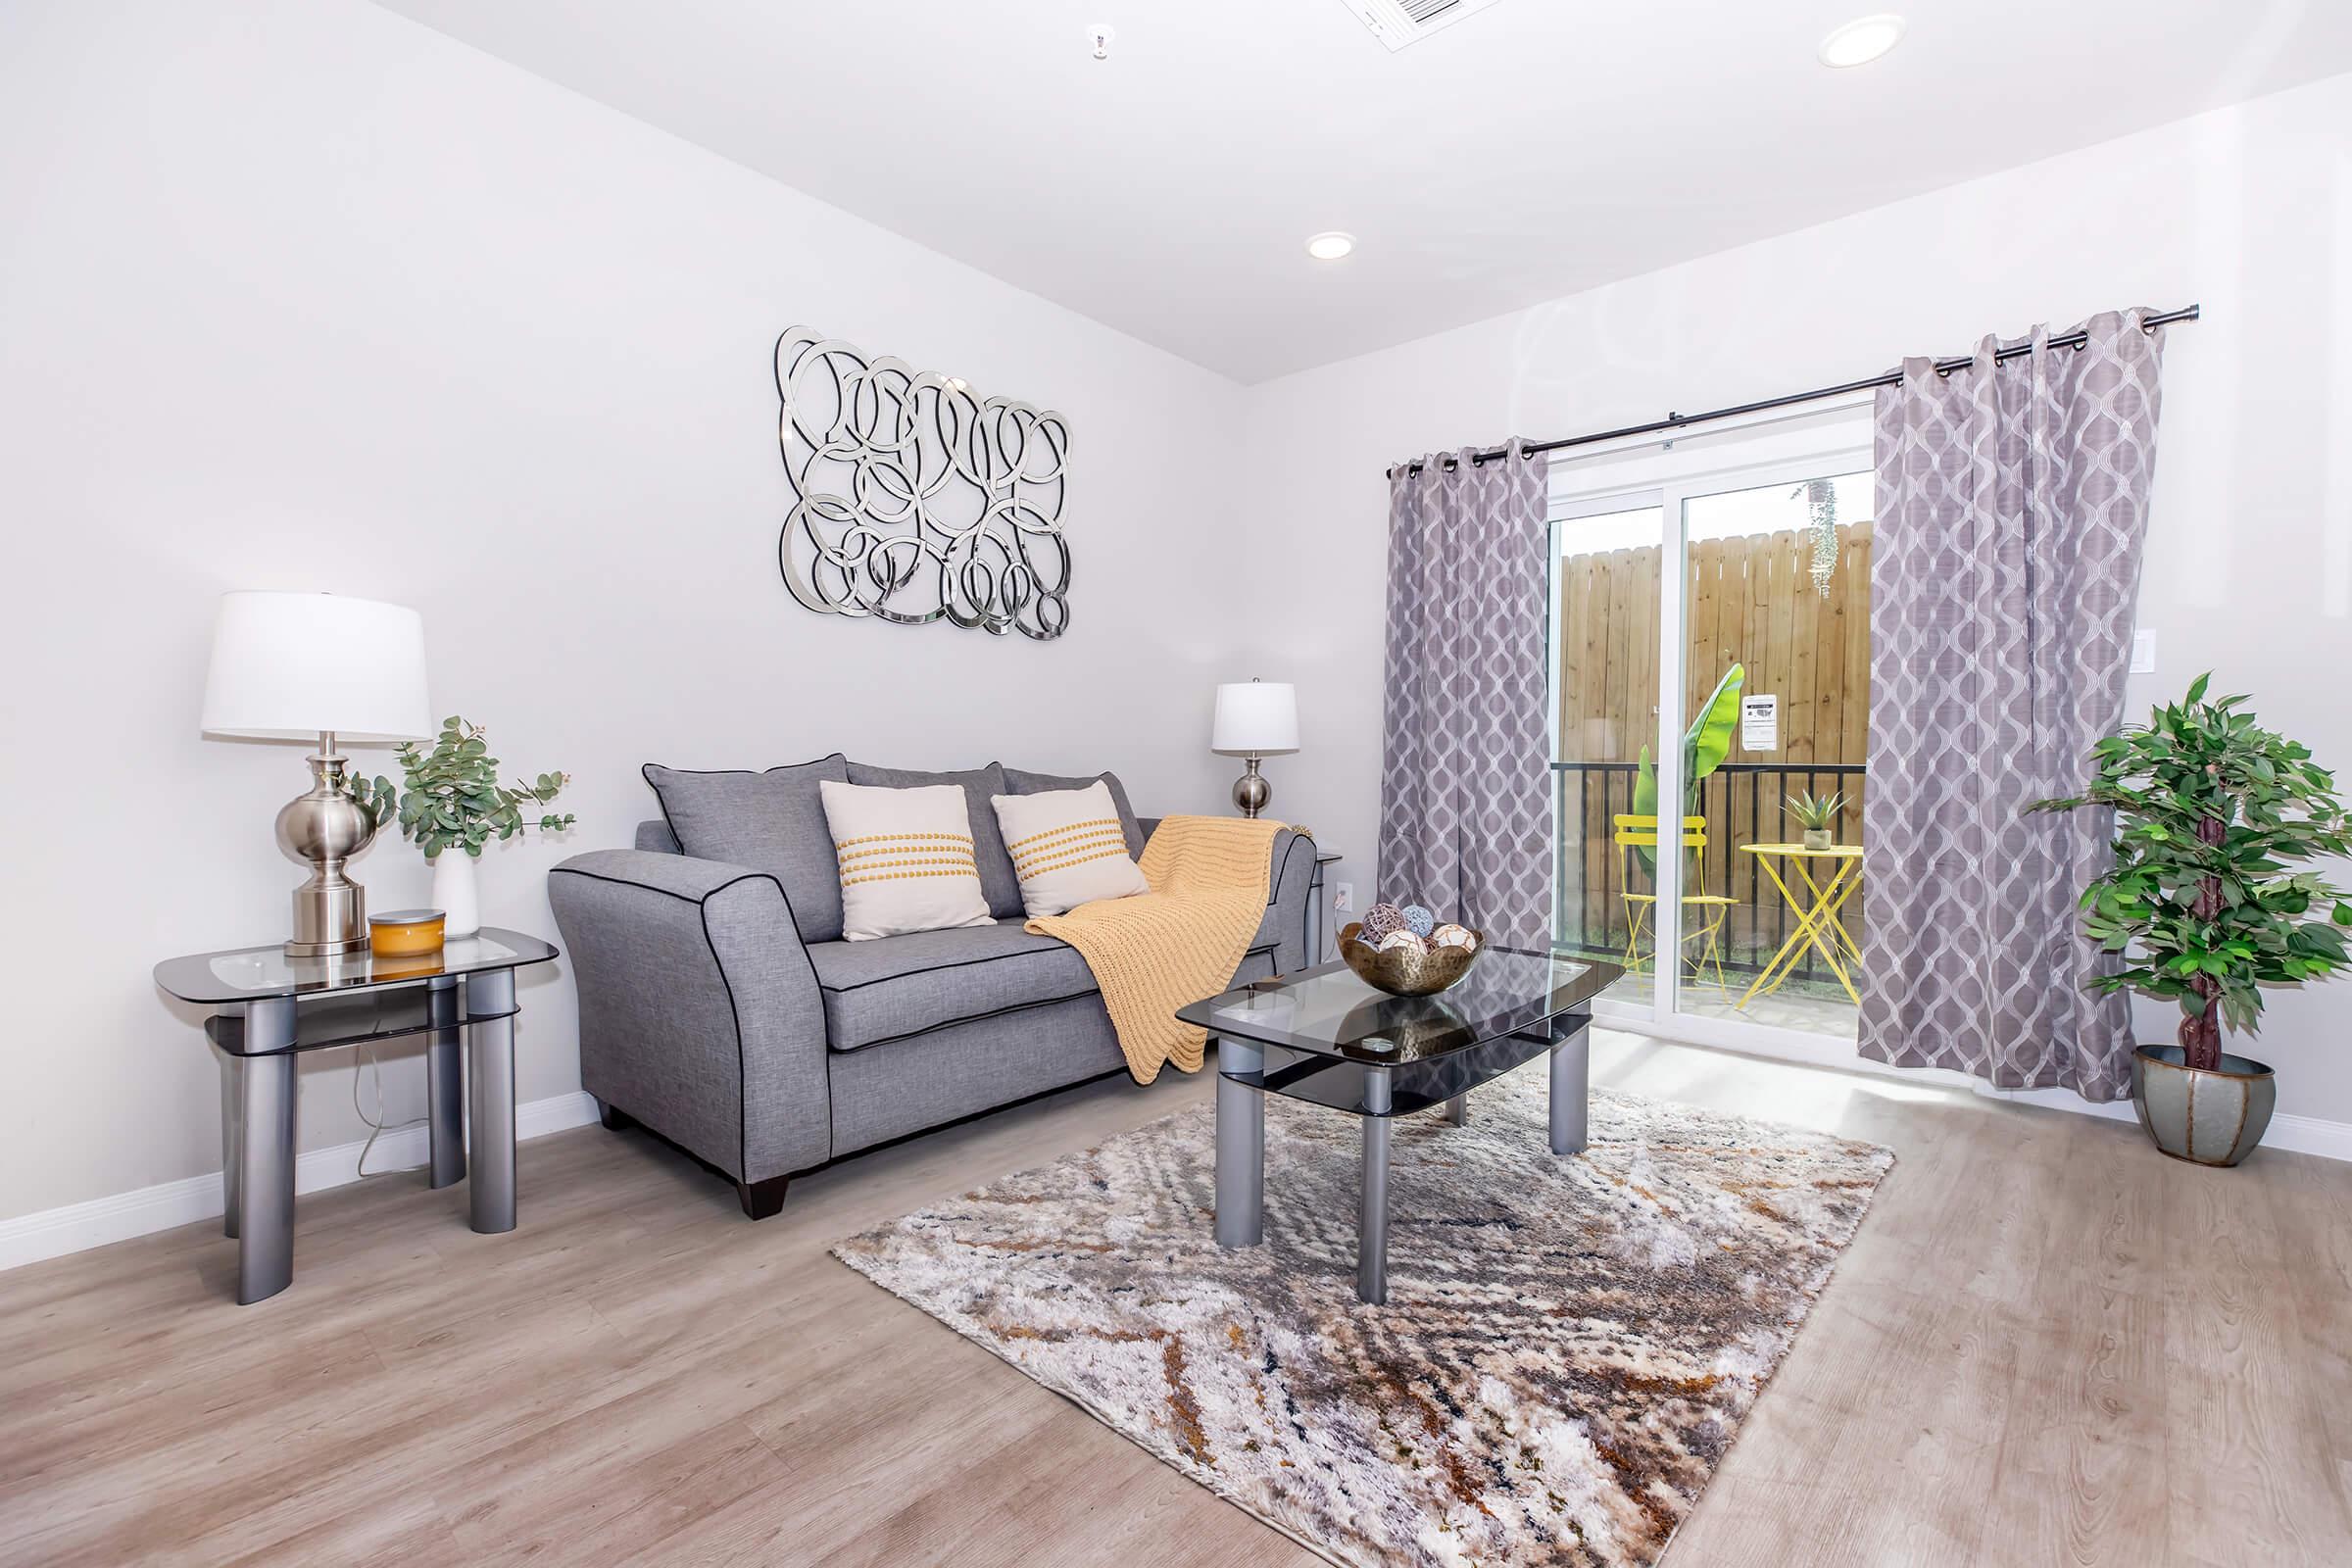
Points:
1323	1035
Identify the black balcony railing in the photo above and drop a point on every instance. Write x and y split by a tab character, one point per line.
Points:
1743	804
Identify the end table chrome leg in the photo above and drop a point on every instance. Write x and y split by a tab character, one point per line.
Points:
445	1085
1457	1110
1571	1078
232	1141
1372	1224
490	1079
1241	1190
265	1217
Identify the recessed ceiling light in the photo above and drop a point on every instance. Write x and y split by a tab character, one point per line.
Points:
1862	40
1330	247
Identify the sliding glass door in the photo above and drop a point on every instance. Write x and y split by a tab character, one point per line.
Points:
1606	605
1776	588
1711	669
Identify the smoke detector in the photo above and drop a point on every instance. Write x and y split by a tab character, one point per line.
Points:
1397	22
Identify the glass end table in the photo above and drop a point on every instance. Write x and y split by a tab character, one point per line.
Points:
1323	1035
268	1007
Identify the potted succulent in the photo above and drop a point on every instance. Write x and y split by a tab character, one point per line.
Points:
2211	900
1817	815
454	801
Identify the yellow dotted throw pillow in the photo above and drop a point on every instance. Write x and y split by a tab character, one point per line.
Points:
905	859
1067	849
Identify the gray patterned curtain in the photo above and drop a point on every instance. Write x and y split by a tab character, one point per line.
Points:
2012	498
1465	779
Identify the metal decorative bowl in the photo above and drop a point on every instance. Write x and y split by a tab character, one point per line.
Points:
1402	972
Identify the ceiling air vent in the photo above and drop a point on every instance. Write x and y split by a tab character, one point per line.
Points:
1397	22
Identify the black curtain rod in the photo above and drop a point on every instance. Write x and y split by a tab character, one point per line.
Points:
1677	422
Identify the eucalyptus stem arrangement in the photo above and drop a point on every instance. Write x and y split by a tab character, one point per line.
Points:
453	800
2211	899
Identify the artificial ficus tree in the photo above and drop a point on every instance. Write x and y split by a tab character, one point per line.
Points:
2211	898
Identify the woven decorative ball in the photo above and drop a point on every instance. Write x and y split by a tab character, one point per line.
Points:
1419	921
1402	965
1452	936
1381	919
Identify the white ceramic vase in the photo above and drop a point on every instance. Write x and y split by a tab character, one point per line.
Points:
456	895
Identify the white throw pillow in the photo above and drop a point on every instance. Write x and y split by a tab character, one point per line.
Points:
905	859
1067	847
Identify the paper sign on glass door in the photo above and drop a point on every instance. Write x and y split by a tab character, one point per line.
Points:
1760	724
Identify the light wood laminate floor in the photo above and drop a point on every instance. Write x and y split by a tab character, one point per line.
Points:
2048	1345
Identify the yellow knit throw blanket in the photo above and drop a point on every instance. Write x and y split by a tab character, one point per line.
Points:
1155	951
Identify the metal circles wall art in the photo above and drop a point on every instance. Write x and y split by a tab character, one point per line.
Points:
915	499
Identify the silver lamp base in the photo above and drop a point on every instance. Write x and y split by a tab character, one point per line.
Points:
1251	792
325	827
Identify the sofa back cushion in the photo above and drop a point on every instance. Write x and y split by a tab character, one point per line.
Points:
905	859
998	884
1018	782
771	821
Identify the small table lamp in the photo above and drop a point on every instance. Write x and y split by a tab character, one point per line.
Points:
1255	718
287	667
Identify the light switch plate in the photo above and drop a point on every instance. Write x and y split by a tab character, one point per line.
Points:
2143	652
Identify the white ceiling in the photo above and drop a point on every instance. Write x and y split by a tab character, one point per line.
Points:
1535	149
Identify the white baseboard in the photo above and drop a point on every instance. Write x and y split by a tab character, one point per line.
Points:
2302	1135
2309	1134
55	1232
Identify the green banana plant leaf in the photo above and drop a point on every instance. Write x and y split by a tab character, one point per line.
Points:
1704	748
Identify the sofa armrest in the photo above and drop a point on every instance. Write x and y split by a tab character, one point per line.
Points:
1290	872
700	1014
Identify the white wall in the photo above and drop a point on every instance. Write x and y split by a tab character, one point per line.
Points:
305	295
2249	567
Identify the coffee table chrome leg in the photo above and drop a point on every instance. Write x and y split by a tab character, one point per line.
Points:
232	1141
445	1086
1571	1078
1457	1110
1241	1191
490	1080
1372	1224
265	1217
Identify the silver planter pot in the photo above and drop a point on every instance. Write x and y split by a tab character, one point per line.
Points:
2208	1117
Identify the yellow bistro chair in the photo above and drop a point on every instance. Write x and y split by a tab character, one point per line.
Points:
1641	833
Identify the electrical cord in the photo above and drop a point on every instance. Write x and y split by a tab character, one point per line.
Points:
374	1071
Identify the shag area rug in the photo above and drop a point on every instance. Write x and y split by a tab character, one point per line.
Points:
1568	1349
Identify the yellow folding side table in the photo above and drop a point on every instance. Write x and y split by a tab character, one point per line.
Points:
1818	926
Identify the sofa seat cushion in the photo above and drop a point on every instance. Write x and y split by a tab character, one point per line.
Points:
897	986
893	987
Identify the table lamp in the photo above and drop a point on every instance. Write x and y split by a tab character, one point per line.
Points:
290	666
1255	719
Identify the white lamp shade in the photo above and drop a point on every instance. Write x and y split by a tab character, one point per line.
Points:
289	667
1256	718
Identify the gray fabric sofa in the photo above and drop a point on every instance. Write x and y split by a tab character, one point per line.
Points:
720	1012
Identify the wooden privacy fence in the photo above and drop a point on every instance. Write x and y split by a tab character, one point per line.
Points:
1748	600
